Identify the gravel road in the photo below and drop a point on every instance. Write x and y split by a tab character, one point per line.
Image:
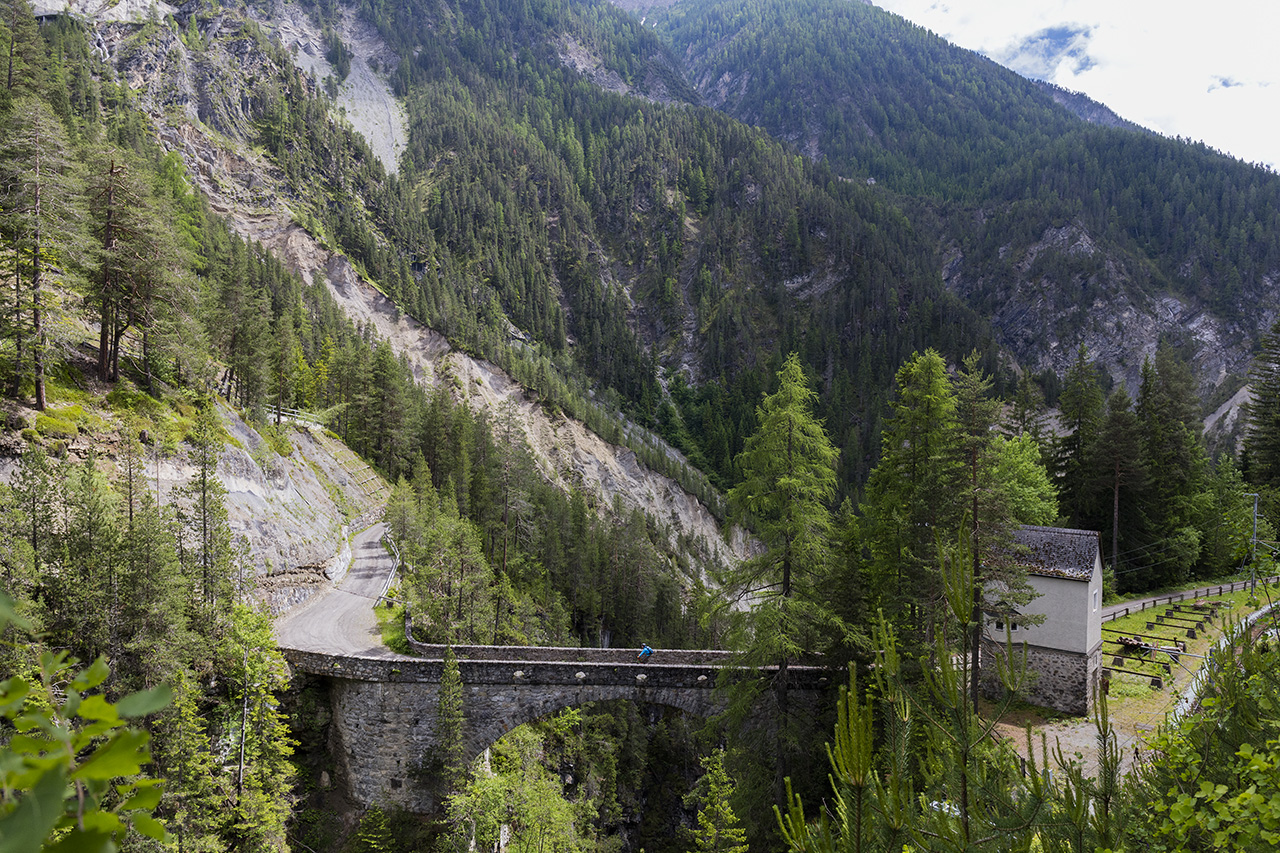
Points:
341	621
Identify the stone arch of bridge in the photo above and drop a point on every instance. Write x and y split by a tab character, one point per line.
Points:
490	717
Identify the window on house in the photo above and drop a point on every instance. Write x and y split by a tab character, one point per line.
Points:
999	624
1095	599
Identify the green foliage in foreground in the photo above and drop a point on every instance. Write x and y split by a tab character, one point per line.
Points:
1214	780
71	769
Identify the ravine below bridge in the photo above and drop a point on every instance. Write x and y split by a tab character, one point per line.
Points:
385	710
384	705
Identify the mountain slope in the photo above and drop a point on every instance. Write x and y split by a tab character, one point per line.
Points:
1161	238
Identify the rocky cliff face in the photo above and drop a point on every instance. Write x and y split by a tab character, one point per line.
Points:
1064	290
202	102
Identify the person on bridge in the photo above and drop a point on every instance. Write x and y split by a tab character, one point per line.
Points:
645	652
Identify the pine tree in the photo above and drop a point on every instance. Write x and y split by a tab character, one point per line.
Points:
41	221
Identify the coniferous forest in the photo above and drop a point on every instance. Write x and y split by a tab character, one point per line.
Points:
771	257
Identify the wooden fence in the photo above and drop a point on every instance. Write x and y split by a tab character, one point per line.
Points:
1161	600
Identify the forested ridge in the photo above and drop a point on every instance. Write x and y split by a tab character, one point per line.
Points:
880	98
636	260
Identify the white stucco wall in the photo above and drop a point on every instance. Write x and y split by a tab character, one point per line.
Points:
1072	611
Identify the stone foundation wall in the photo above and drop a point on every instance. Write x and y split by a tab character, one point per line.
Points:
1061	680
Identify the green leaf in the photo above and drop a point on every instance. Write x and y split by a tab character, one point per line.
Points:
9	614
145	798
150	827
123	755
25	829
13	693
92	675
97	707
144	702
99	821
83	841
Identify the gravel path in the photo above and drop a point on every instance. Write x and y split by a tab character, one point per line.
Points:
341	621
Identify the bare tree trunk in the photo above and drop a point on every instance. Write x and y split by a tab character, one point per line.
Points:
17	324
1115	517
37	322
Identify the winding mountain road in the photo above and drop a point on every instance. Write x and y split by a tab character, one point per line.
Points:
342	621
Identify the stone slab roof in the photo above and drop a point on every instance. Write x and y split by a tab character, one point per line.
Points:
1057	552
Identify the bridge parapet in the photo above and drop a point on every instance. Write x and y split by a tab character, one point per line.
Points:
543	670
682	657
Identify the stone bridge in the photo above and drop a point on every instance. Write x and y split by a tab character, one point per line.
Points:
385	708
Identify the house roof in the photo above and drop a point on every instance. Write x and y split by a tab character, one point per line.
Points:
1057	552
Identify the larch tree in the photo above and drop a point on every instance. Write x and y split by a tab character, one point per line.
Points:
989	524
788	480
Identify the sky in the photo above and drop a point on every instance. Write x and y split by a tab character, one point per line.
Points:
1204	71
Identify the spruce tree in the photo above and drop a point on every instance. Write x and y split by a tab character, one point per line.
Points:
24	51
1262	433
1177	502
1081	405
1116	458
916	490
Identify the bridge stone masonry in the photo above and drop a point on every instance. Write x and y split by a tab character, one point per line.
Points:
385	707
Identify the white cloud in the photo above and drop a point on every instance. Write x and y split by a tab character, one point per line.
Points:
1204	72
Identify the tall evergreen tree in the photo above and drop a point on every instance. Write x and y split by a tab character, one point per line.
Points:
718	828
1173	451
450	747
990	522
917	489
1261	465
1081	405
42	220
788	479
25	58
1116	458
207	548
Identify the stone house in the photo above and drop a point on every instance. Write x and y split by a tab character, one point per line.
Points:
1064	652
